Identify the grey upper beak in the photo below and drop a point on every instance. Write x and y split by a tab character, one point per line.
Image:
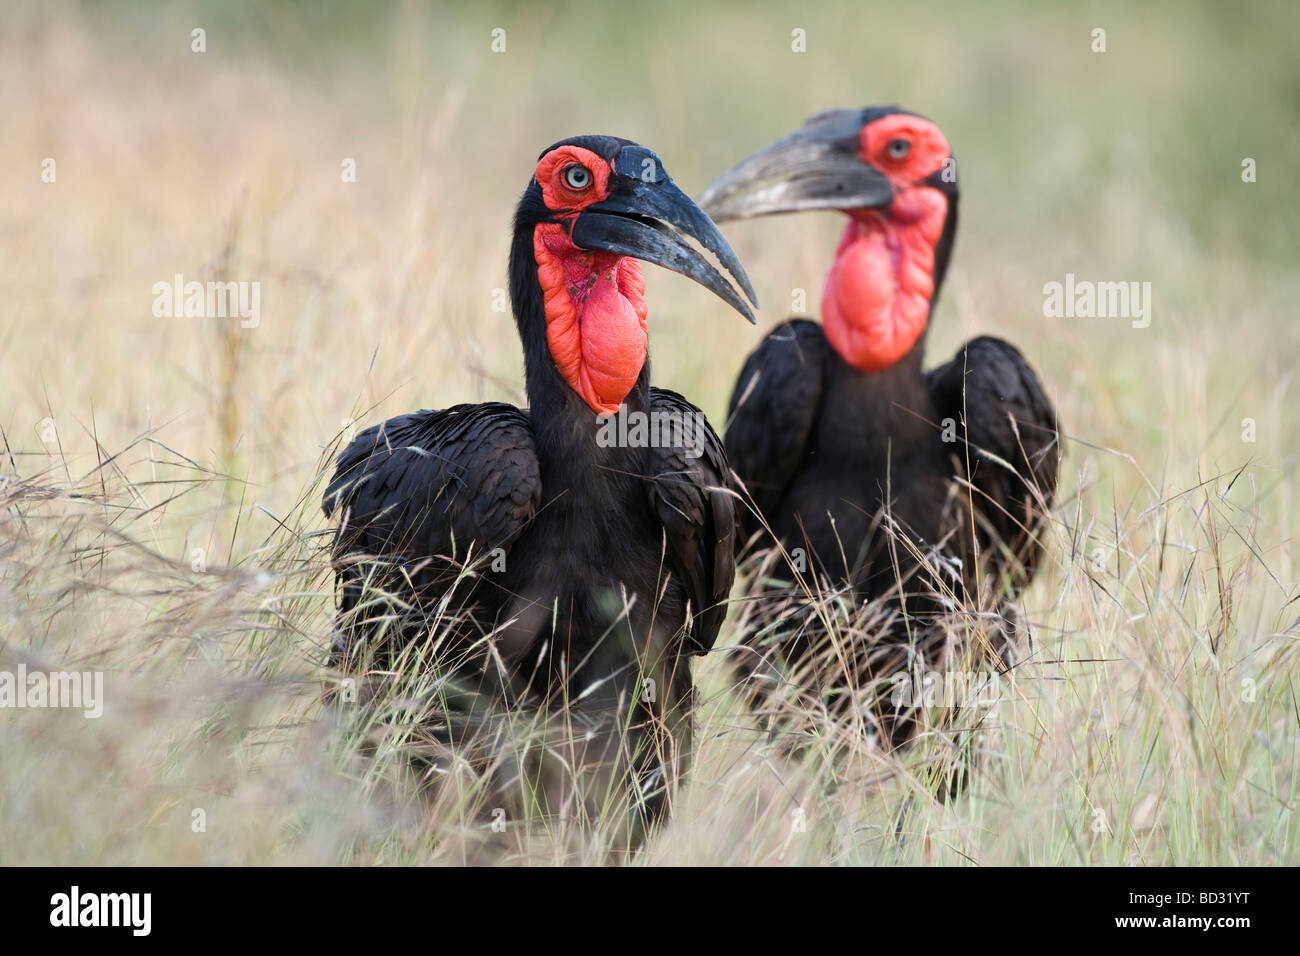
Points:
815	167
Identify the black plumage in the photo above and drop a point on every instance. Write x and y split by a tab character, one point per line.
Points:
923	491
545	571
821	447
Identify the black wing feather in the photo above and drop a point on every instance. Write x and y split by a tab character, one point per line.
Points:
424	492
986	388
696	501
772	412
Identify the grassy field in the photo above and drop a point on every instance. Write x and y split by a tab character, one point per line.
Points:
160	481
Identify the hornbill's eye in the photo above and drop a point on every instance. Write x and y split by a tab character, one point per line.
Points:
577	177
898	147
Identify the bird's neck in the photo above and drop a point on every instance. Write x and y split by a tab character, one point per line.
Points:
584	350
884	280
594	307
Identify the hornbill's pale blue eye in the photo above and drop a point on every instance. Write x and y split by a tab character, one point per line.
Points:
577	177
898	148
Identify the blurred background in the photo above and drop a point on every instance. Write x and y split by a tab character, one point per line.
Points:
1123	165
377	294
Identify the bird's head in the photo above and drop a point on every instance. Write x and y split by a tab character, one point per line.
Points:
855	161
892	173
595	207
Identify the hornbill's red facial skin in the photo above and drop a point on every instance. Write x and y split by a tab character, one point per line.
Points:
595	300
836	430
892	174
878	294
590	278
595	568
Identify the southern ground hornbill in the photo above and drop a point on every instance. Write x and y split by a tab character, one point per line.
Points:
925	489
525	558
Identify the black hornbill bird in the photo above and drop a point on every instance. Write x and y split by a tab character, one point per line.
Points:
842	439
541	565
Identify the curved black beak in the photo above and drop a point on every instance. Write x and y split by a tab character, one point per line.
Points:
646	217
815	167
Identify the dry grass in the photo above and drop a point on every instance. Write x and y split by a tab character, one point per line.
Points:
1155	718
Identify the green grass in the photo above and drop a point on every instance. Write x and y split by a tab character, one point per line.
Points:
1154	719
